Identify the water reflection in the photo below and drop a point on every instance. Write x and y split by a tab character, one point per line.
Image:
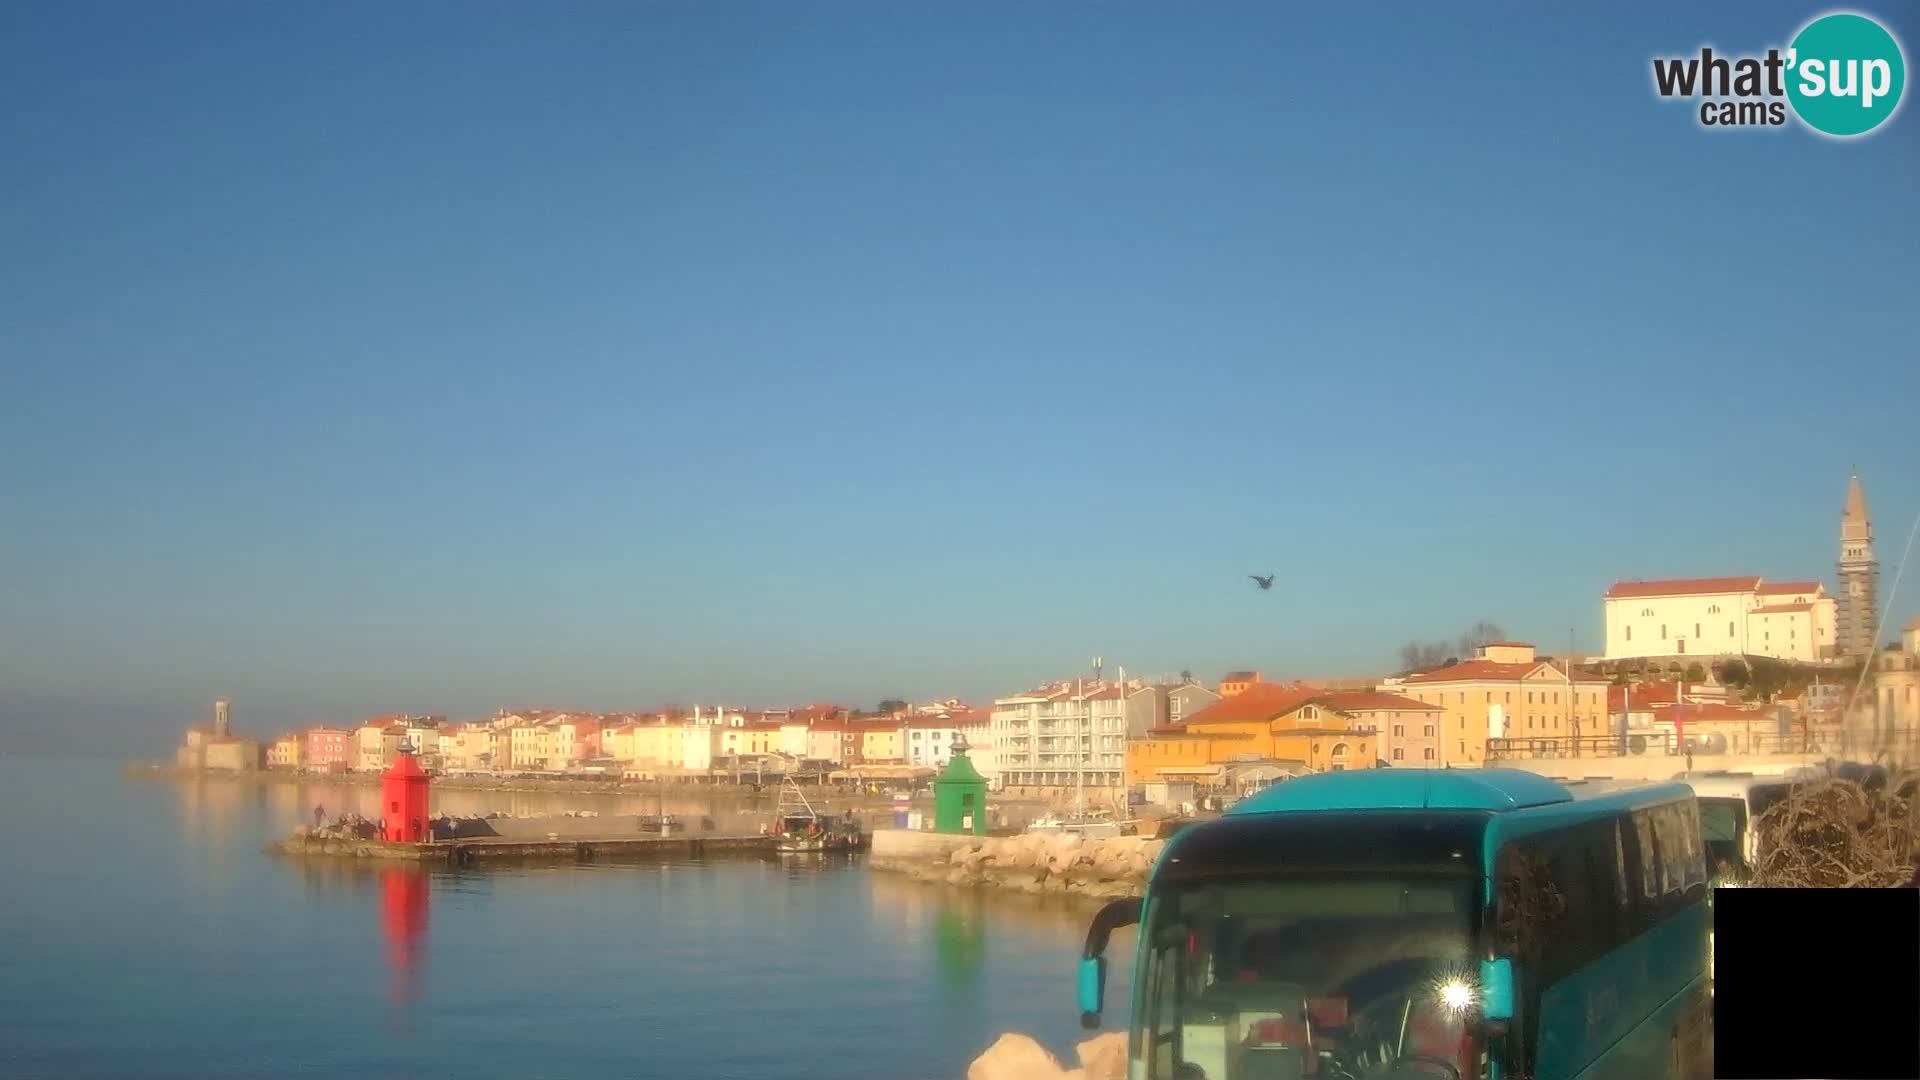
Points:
403	920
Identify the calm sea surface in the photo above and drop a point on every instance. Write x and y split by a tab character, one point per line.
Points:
143	933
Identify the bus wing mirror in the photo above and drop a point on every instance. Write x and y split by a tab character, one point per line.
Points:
1093	960
1496	989
1093	986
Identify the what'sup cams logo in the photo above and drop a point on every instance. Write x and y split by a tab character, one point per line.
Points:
1842	76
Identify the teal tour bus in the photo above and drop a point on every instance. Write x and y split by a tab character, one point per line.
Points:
1441	924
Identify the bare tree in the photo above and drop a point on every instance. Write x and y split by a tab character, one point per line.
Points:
1480	633
1421	655
1410	654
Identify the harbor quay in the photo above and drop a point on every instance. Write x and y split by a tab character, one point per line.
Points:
501	849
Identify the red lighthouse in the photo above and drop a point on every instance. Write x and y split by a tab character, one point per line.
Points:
403	800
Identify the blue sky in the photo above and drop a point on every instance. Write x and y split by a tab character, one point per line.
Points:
443	356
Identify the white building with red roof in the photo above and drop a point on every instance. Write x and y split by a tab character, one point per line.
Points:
1720	616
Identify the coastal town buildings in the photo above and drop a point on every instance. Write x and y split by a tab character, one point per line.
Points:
1264	732
1896	681
1155	705
329	749
1505	692
928	739
214	746
287	751
1725	616
1063	736
1407	731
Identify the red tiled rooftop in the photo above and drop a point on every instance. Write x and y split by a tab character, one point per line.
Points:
1371	700
1240	676
1261	701
1495	671
1695	712
1682	587
1777	587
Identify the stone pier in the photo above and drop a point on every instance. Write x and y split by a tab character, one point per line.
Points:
1057	864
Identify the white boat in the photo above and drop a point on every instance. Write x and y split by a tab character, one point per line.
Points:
1091	825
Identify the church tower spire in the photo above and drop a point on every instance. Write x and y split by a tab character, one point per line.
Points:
1859	577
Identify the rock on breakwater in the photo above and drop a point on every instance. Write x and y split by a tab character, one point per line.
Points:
1104	868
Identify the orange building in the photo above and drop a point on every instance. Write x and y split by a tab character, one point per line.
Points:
1265	722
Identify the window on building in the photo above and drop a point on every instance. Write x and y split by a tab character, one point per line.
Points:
1400	755
1463	697
1429	731
1509	697
1529	697
1399	730
1647	612
1429	754
1629	633
1729	627
1696	629
1663	631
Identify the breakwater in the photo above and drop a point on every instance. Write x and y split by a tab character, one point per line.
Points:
1056	864
572	849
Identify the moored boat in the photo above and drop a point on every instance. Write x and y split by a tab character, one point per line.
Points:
798	829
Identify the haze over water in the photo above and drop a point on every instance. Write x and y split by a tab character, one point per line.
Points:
143	932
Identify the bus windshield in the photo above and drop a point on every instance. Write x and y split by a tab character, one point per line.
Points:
1309	976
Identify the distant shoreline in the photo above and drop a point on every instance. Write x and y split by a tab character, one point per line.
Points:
555	786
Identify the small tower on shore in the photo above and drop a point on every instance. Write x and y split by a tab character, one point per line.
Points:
403	799
960	794
221	725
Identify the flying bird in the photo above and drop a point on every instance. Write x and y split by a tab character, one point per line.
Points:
1265	583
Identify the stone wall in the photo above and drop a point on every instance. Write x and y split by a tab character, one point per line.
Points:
1107	868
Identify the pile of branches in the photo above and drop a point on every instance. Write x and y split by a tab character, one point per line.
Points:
1836	833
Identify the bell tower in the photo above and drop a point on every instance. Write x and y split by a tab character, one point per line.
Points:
1859	577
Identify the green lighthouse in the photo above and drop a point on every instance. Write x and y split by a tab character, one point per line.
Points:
960	795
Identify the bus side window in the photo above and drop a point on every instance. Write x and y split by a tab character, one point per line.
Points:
1667	843
1623	888
1696	846
1650	889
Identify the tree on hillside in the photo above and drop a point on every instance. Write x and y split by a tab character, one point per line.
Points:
1734	672
1695	673
1480	633
891	705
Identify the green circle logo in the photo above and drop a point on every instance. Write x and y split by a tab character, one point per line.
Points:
1845	74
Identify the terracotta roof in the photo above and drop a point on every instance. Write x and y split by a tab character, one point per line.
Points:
1261	701
1643	695
1371	700
1496	671
1693	713
1240	676
1775	587
932	723
1682	587
1174	732
1775	609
